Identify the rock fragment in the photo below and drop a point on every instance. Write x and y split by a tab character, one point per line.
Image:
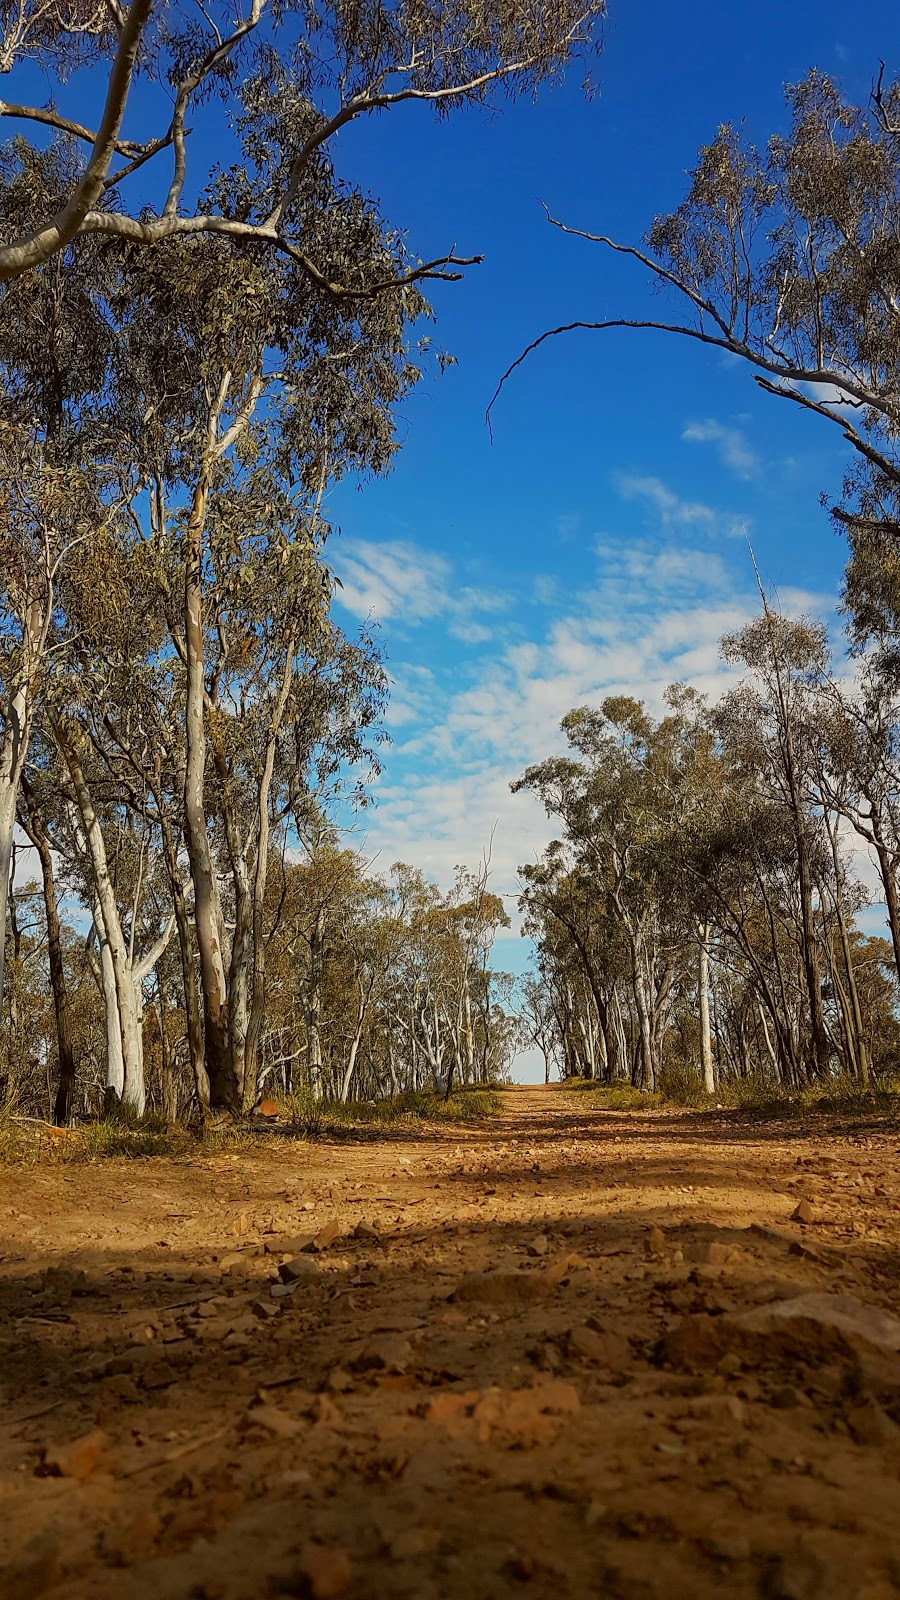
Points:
275	1421
78	1459
599	1345
385	1352
298	1270
324	1572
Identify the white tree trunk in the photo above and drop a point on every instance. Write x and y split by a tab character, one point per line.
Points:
12	763
115	1060
706	1054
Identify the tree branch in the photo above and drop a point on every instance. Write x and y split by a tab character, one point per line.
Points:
30	251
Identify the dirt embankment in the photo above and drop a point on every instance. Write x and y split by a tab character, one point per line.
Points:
564	1353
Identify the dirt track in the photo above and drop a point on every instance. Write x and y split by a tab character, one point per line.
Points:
369	1436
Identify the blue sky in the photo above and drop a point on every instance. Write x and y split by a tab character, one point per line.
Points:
598	544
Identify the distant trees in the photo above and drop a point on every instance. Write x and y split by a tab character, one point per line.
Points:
373	986
698	913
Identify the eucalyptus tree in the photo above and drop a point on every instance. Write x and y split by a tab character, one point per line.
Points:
771	725
326	68
54	493
610	797
788	260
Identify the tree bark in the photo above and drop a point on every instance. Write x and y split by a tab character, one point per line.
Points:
706	1054
12	765
65	1048
188	974
208	918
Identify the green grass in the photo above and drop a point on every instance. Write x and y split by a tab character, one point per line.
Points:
123	1137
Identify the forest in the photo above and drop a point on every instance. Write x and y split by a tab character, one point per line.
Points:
188	733
449	800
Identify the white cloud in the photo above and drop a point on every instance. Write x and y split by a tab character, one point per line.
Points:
393	578
673	511
733	449
396	580
652	616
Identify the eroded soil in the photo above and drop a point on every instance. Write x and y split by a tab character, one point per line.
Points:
597	1416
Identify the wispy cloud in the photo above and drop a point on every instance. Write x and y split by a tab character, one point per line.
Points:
674	512
731	444
396	580
652	615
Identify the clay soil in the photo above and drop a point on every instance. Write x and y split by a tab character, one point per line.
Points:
523	1375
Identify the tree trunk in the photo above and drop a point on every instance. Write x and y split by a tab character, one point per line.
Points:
188	974
65	1049
647	1079
209	922
706	1054
12	764
112	942
858	1041
889	881
313	1004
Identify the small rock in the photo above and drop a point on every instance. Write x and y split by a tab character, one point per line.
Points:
158	1375
602	1346
324	1572
868	1424
655	1242
264	1309
386	1352
413	1543
802	1213
230	1260
303	1243
327	1236
78	1459
282	1291
340	1381
298	1270
450	1405
365	1230
538	1246
323	1411
798	1575
707	1252
275	1421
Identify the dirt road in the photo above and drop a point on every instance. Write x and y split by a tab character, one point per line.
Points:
546	1356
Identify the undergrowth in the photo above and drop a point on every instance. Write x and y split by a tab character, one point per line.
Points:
681	1087
27	1141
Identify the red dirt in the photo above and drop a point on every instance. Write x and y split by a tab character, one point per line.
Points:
597	1420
